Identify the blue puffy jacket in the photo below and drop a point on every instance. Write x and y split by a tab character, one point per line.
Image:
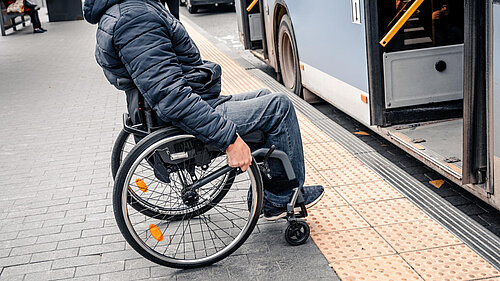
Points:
140	39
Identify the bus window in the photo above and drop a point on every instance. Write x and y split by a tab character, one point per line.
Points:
435	23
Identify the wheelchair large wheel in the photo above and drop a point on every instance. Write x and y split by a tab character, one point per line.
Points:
124	144
121	148
187	227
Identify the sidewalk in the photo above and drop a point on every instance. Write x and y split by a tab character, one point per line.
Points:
60	118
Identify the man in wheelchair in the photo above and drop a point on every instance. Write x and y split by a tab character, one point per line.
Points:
141	41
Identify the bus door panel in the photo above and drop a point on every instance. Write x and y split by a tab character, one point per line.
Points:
332	52
476	91
495	104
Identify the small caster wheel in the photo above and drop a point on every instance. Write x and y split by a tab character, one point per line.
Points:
297	233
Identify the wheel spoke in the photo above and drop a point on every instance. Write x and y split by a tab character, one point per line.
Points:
164	224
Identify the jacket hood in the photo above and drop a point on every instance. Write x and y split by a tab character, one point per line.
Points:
94	9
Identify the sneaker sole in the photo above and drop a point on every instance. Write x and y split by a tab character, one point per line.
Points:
297	209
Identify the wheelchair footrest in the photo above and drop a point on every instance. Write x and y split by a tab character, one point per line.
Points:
296	200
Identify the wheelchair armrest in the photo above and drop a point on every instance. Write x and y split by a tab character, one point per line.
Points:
280	155
132	129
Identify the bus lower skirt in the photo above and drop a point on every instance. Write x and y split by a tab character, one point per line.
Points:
424	113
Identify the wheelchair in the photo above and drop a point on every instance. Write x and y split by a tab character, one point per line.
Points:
178	203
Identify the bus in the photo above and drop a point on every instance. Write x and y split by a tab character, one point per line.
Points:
424	74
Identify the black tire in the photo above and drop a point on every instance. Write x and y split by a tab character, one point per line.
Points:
288	57
297	233
182	3
127	220
118	153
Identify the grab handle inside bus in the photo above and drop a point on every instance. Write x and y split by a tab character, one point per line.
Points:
400	23
250	7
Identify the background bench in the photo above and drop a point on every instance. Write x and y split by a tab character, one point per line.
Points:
12	17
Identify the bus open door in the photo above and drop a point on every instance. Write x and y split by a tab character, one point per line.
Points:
251	26
430	64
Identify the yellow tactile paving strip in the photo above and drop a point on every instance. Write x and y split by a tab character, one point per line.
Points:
364	227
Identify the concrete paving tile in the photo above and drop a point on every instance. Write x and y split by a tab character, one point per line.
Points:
84	278
59	236
368	192
99	268
26	269
80	242
82	225
132	274
331	198
352	244
18	242
450	263
54	255
164	272
334	219
350	175
390	211
8	236
106	239
63	221
40	231
138	262
4	252
101	231
15	260
51	275
119	256
43	217
313	177
75	261
102	248
330	155
33	249
417	235
377	268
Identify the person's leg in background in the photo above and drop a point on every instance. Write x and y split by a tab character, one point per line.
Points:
274	115
35	21
173	7
30	9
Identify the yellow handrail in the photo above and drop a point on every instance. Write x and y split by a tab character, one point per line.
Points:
395	29
250	7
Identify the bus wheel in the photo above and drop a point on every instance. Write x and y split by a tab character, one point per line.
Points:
288	57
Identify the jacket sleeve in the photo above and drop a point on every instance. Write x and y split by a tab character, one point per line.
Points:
143	41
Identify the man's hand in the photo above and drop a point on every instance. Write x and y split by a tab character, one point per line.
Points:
239	155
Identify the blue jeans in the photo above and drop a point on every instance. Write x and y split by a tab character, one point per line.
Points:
274	115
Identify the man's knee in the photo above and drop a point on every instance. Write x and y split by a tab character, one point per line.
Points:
282	101
263	92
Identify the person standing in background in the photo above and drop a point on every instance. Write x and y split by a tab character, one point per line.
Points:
173	7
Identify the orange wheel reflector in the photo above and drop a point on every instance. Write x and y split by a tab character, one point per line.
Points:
141	185
155	232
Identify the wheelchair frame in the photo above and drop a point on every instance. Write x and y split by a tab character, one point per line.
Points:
297	231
